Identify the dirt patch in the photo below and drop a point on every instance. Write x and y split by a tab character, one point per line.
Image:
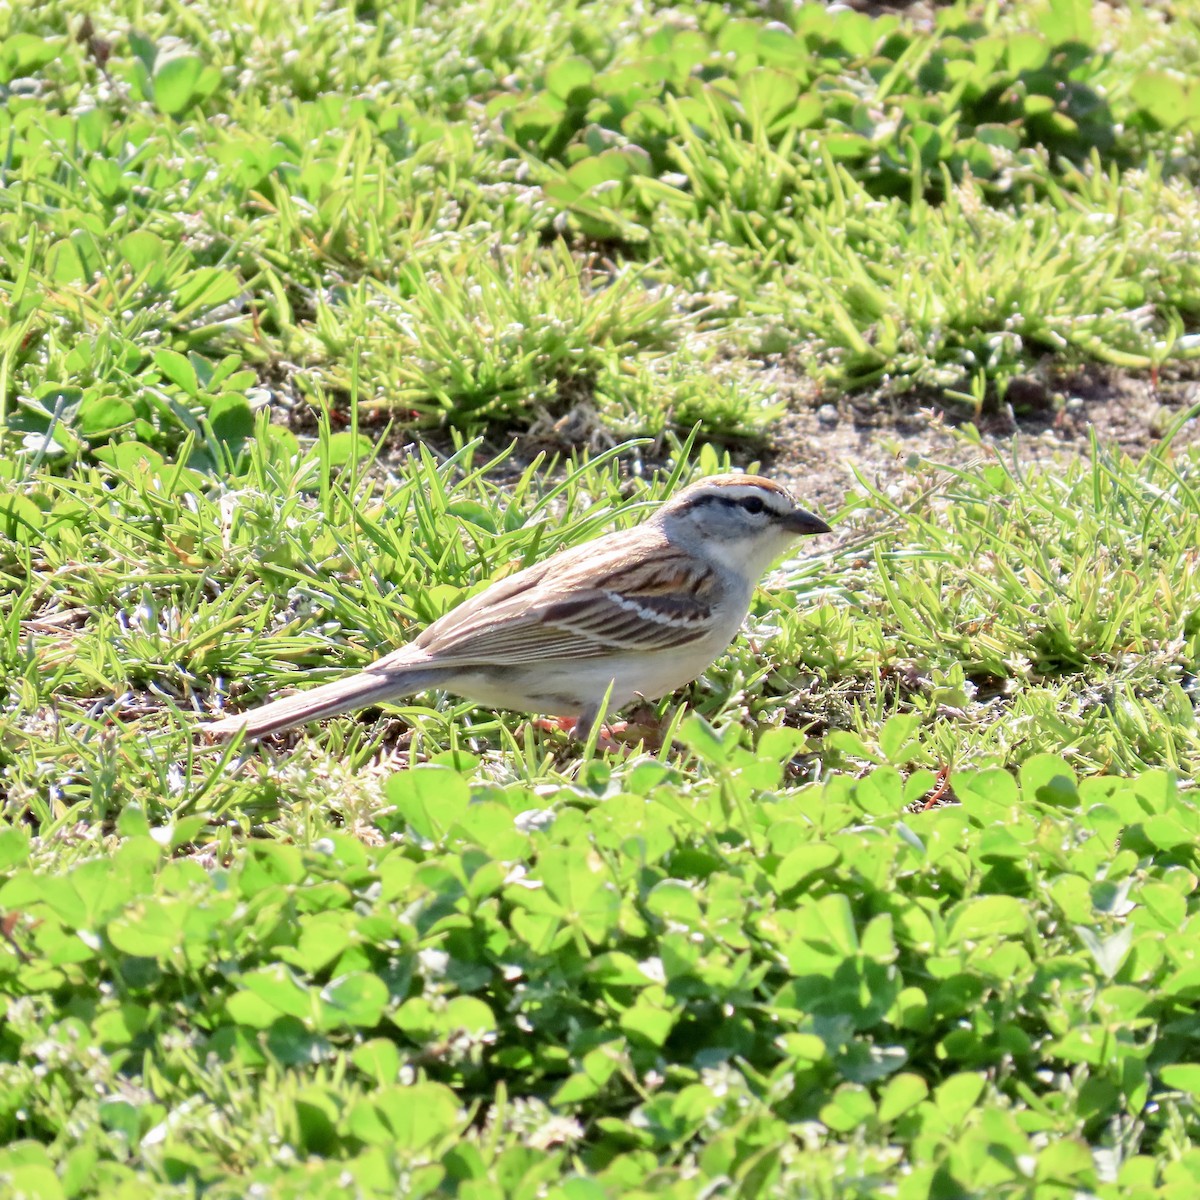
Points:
815	448
822	439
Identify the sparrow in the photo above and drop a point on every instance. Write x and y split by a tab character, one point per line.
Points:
636	613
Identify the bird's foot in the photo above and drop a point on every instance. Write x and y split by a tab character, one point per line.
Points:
568	725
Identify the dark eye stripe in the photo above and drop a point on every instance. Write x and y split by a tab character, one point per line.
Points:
751	504
709	498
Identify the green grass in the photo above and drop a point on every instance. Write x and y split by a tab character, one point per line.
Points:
396	949
428	950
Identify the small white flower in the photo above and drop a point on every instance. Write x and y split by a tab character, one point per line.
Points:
534	819
433	962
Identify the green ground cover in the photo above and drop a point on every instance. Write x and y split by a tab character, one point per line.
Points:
434	952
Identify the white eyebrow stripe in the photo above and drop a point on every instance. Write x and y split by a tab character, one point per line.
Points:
733	494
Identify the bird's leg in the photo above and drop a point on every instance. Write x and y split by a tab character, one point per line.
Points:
583	726
606	739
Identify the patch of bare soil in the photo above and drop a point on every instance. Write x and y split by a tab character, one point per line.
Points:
815	447
822	439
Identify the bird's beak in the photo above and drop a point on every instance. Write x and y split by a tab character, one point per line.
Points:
801	522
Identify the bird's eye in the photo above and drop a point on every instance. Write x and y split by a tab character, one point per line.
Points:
753	504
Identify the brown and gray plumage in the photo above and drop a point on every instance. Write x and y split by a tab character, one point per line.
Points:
642	611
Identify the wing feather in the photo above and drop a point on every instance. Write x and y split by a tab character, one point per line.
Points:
598	599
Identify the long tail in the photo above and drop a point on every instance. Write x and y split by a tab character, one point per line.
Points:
340	696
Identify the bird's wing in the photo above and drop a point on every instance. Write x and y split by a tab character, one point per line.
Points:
585	603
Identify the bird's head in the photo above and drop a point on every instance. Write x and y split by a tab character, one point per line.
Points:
744	520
